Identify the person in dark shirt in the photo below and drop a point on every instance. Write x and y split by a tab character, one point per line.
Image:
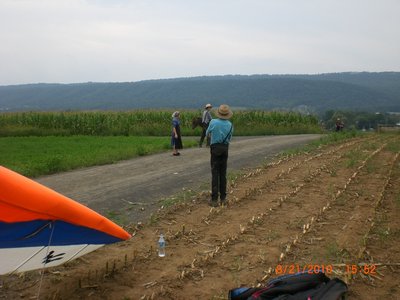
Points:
176	139
339	125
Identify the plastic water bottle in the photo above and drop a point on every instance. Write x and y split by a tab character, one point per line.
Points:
161	246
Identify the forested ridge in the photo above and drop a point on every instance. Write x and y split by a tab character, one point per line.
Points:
361	91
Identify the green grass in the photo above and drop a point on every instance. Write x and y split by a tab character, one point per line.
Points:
35	156
181	197
41	143
336	137
352	158
116	217
394	146
327	139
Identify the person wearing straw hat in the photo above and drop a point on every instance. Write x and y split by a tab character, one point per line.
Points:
221	130
205	121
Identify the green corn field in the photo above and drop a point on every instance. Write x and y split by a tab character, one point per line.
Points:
147	123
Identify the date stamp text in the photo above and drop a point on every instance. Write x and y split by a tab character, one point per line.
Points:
366	269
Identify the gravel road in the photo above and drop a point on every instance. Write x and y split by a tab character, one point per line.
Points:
132	189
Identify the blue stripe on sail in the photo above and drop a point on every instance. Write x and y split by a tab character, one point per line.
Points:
38	232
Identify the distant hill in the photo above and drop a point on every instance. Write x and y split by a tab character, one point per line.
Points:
316	93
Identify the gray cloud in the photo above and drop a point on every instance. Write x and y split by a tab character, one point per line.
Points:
123	40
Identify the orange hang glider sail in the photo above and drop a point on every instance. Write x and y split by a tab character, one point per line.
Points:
42	228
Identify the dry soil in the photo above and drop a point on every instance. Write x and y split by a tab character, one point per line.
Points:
335	208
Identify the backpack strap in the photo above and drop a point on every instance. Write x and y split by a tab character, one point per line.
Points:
230	130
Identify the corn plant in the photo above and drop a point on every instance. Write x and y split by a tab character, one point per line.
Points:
147	123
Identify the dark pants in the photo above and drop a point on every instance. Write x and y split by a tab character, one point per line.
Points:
219	162
203	135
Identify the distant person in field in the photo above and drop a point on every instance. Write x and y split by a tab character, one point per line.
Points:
221	131
339	125
176	138
205	121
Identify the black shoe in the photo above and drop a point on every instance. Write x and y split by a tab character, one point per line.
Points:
213	203
223	202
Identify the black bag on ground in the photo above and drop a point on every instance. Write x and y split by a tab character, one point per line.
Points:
300	286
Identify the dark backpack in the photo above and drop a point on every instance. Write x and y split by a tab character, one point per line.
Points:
300	286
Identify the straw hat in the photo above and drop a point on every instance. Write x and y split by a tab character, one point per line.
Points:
224	112
175	114
208	105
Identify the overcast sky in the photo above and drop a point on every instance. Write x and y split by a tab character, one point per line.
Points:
70	41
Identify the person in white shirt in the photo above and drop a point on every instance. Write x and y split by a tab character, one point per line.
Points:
205	121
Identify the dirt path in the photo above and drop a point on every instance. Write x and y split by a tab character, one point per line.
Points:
130	190
335	208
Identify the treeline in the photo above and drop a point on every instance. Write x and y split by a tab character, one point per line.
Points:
148	123
360	120
312	93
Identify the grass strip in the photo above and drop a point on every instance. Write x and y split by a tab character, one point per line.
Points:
36	156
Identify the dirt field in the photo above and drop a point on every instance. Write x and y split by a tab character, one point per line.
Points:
336	208
129	191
